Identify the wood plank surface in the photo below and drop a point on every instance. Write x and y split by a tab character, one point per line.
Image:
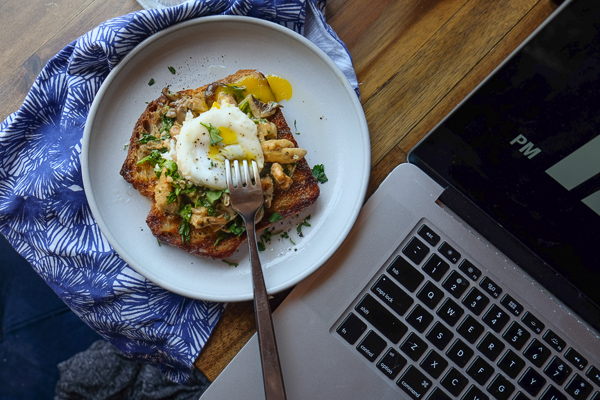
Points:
415	61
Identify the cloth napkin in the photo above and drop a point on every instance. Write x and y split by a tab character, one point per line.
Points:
44	213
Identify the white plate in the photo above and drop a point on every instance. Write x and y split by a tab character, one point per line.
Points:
324	110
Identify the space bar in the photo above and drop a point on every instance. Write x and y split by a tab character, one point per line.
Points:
382	319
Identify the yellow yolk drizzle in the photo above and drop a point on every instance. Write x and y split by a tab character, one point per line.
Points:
229	137
273	88
280	87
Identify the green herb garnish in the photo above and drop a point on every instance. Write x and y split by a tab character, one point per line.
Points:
319	173
213	195
172	70
151	82
236	227
233	264
185	213
214	133
275	217
285	235
147	138
303	223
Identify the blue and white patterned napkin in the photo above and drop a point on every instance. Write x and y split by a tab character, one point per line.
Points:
43	209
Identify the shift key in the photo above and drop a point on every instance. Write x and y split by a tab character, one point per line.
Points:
381	319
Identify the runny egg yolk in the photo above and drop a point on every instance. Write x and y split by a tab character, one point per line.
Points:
229	137
281	88
273	88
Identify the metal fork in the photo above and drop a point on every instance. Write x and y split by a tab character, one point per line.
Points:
246	198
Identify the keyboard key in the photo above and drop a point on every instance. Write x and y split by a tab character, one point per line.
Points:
578	387
594	374
475	301
532	323
480	371
555	341
413	347
450	312
391	363
434	364
558	370
532	382
437	394
392	295
520	396
596	396
449	252
501	388
474	393
469	269
470	329
371	346
405	274
490	287
511	364
436	267
419	318
415	250
537	353
352	328
454	381
511	305
429	235
382	319
490	346
516	335
430	295
460	353
572	356
455	284
553	393
496	318
439	336
414	383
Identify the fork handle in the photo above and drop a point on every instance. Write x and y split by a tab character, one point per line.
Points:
269	356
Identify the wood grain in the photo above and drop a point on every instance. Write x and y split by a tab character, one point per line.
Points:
415	61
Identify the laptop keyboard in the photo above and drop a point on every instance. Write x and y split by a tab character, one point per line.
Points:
437	326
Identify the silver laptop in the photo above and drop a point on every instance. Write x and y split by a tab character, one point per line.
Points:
473	272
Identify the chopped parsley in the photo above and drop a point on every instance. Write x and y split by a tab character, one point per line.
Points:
167	124
319	173
172	70
233	264
265	238
147	138
275	217
236	91
151	82
214	133
213	195
185	212
236	227
303	223
285	235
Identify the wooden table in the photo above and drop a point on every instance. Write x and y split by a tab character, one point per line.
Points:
415	61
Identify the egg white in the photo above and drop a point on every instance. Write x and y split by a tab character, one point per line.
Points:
203	164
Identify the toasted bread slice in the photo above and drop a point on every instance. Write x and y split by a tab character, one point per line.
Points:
165	220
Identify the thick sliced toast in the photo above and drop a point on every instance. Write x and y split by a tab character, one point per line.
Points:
165	222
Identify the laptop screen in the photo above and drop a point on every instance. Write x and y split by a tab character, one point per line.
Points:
525	146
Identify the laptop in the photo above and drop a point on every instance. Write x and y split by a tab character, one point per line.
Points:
473	272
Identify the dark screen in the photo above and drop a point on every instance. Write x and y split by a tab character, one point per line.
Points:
525	146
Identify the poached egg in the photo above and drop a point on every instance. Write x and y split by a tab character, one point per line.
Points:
203	163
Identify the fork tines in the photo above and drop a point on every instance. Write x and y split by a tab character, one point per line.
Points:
242	176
